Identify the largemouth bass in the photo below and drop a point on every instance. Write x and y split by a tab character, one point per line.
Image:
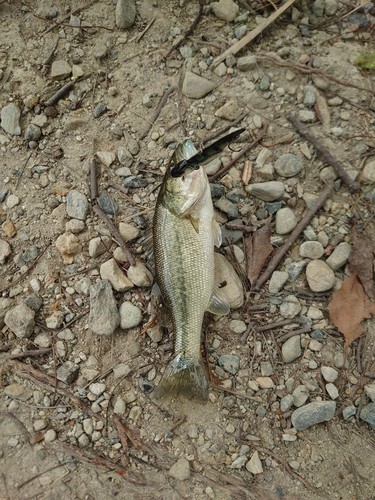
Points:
185	233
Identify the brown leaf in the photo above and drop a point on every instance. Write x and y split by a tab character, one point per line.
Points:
361	261
348	307
257	249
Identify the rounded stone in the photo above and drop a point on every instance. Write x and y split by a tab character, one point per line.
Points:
311	249
291	349
312	414
320	276
131	315
286	221
290	307
288	165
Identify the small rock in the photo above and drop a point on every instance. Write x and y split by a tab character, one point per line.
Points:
131	143
33	132
5	305
247	63
300	395
5	251
10	119
34	302
265	382
77	205
12	201
230	111
180	470
306	116
277	281
329	374
67	372
286	221
60	69
288	165
315	345
320	276
110	271
135	181
55	320
227	207
233	291
99	109
286	402
106	157
368	173
332	391
348	412
239	462
368	414
121	370
20	320
266	191
104	317
330	7
370	391
99	245
108	204
227	10
339	257
128	232
196	87
237	326
74	226
311	249
291	349
125	14
290	307
140	275
312	414
68	245
229	362
254	465
131	315
265	82
40	424
309	98
50	436
120	406
97	388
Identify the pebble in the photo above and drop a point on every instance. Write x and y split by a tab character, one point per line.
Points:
180	470
277	281
125	157
67	372
265	82
74	226
131	143
286	402
309	98
12	442
368	414
315	345
110	271
227	207
332	391
108	204
306	116
97	388
34	302
320	276
291	307
131	315
140	275
312	414
233	291
120	406
239	462
237	326
135	181
291	349
311	249
99	245
20	320
128	231
68	245
5	305
32	132
229	362
330	7
50	436
300	395
106	157
339	257
60	69
40	424
370	391
227	10
230	111
247	63
55	320
104	317
10	119
265	382
12	201
5	251
288	165
125	13
348	412
266	191
195	86
99	109
286	221
77	205
329	374
254	465
368	173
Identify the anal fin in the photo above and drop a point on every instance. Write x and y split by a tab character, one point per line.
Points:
218	304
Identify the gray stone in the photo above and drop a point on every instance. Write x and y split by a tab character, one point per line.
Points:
75	226
237	326
309	98
32	133
180	470
125	14
233	291
318	8
196	87
119	406
227	207
286	402
125	158
239	462
20	320
370	391
329	374
5	305
306	116
220	70
332	391
104	317
34	302
5	251
131	315
230	236
330	7
140	275
266	191
368	414
339	257
230	111
128	231
368	173
60	69
288	165
265	82
135	181
55	320
110	271
348	412
50	436
77	205
247	63
30	254
277	281
294	269
108	204
99	245
217	190
300	395
290	307
291	349
230	363
10	119
99	109
286	221
312	414
67	372
12	201
131	143
320	276
311	249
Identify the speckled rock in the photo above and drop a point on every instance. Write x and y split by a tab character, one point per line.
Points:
320	276
340	255
20	320
104	317
266	191
196	87
286	220
312	414
288	165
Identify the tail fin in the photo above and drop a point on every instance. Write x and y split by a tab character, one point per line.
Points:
184	376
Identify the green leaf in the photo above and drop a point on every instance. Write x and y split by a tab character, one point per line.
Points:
366	61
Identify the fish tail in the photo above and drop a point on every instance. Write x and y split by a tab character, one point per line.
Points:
184	376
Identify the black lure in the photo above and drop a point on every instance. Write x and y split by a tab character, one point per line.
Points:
202	156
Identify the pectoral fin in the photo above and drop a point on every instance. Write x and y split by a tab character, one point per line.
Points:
217	233
194	223
218	305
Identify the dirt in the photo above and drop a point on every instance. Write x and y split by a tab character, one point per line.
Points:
329	460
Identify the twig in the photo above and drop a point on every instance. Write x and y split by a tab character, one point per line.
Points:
253	33
49	58
240	227
245	150
67	16
189	31
123	439
277	324
93	180
281	252
155	116
32	353
59	94
41	474
293	333
224	129
353	186
138	37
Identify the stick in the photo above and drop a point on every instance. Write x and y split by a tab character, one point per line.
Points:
224	129
189	31
93	181
281	252
59	94
138	37
161	104
246	149
253	33
292	333
32	353
353	186
123	439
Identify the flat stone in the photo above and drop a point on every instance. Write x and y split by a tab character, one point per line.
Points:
10	119
330	7
368	414
108	204
74	226
131	315
311	249
140	275
237	326
291	307
329	374
99	109
277	281
106	157
229	362
348	412
67	372
135	181
50	436
320	276
125	13
300	395
254	465
332	391
20	320
265	382
5	251
312	414
291	349
227	207
286	402
99	245
12	201
180	470
288	165
125	157
77	205
60	69
340	255
286	221
233	291
104	317
128	231
239	462
196	87
230	111
110	271
32	132
368	173
370	391
247	63
266	191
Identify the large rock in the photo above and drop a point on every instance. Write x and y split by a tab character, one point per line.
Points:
20	320
195	87
104	317
312	414
125	13
233	290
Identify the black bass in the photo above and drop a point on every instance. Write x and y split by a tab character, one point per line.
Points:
185	233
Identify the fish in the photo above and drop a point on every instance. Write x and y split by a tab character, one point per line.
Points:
185	233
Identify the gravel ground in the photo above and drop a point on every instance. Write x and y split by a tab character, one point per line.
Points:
83	343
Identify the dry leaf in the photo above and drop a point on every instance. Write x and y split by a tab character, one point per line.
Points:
322	110
361	261
257	249
348	307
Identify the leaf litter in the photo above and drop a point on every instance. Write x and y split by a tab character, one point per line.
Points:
257	249
361	261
